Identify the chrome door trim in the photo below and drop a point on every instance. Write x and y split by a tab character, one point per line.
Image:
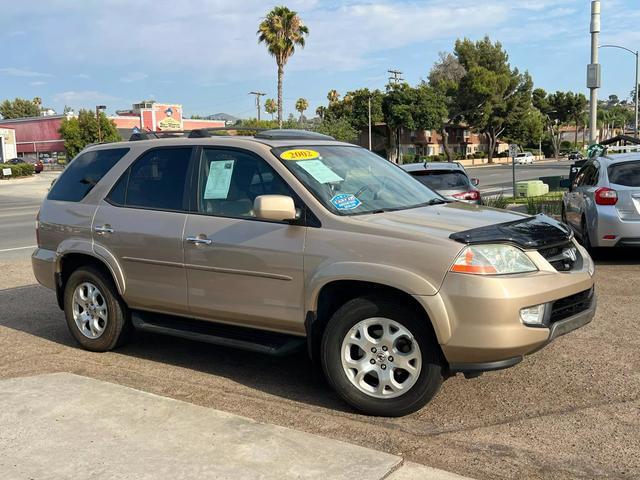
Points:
233	271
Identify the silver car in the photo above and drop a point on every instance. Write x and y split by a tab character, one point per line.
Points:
603	203
448	179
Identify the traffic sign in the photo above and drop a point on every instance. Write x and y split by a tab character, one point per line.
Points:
513	150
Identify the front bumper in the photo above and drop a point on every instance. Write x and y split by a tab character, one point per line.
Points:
477	319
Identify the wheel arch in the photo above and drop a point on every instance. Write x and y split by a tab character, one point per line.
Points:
334	293
70	261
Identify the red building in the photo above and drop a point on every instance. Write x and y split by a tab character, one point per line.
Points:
40	135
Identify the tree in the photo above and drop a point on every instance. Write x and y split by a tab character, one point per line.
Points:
270	106
333	96
338	128
19	108
301	105
281	31
420	108
558	110
321	111
613	100
79	132
445	77
492	96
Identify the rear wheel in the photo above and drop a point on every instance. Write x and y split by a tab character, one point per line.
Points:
96	315
381	357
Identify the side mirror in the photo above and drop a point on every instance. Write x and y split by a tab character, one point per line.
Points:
475	182
277	208
565	183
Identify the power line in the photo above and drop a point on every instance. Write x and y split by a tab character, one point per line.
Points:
258	95
396	76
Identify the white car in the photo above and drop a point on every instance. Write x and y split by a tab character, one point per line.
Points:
524	158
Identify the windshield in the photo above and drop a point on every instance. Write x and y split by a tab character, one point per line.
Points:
442	179
352	180
627	174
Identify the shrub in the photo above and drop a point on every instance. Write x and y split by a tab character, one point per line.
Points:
480	155
19	170
496	201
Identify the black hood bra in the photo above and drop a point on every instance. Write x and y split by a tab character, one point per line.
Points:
531	232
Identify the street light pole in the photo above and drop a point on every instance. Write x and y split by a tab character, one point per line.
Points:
593	71
98	108
370	122
636	81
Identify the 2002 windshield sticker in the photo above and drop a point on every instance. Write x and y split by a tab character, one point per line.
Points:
346	201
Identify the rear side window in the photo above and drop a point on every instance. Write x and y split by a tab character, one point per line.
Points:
83	173
157	180
626	174
442	180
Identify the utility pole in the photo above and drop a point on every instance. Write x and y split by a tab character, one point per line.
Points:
370	122
258	95
396	78
593	71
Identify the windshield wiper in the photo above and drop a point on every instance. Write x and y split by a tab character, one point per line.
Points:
434	201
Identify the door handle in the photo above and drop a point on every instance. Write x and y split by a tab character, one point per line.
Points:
199	240
103	229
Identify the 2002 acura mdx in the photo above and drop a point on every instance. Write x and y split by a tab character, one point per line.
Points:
270	242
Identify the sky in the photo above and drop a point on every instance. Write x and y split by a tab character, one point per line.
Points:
204	54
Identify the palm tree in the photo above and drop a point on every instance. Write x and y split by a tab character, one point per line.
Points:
301	105
281	31
333	96
321	111
270	106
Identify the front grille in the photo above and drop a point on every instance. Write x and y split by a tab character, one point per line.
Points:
563	257
572	305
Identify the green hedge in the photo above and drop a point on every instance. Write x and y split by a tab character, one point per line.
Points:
19	170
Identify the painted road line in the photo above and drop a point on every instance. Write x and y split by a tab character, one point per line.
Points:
17	248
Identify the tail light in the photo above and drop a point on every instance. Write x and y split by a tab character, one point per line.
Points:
38	228
606	196
470	195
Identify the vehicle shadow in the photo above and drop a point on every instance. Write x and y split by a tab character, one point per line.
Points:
293	377
616	256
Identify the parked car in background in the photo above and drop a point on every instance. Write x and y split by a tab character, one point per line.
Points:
38	166
524	158
292	240
575	156
602	205
15	161
448	179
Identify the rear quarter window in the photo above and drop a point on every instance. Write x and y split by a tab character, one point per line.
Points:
626	174
83	173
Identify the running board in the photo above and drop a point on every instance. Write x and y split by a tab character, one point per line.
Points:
250	339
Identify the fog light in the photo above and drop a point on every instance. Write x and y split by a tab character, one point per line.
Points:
533	316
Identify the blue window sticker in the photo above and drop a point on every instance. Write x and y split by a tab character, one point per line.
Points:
346	201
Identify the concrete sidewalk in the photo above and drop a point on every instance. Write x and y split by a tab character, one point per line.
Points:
60	426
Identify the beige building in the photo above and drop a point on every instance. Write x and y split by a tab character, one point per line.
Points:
8	148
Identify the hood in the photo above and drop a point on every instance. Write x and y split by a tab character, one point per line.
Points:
466	223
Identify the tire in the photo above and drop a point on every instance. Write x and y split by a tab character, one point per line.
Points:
112	326
563	214
408	392
586	241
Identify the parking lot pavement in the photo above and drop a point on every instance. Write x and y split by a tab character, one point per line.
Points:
571	410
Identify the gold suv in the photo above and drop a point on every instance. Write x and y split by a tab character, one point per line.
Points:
290	239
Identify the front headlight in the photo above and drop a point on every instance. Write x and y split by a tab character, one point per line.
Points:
492	260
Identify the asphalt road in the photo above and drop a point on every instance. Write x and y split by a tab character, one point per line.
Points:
571	411
19	203
498	178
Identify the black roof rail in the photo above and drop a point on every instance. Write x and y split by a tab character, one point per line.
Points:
261	133
291	134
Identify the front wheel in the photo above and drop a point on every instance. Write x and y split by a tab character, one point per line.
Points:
381	357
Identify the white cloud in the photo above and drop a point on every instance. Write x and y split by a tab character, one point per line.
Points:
134	77
21	72
37	82
82	76
84	98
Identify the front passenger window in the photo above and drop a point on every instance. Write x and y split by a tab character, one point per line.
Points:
230	180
